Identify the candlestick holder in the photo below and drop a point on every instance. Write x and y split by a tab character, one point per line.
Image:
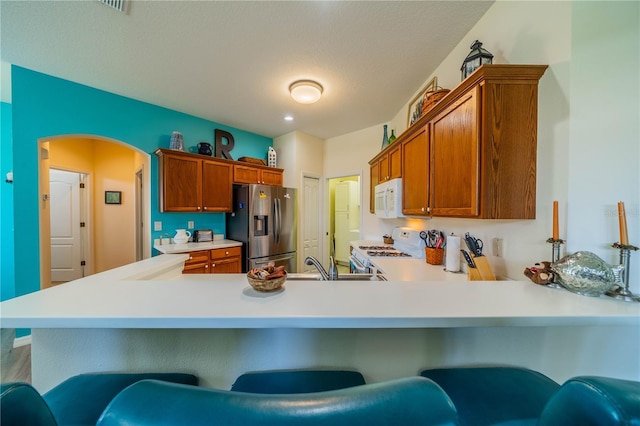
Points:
618	292
555	256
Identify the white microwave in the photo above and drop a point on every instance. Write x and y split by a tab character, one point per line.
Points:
388	199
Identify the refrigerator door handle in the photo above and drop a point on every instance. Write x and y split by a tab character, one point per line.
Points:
276	218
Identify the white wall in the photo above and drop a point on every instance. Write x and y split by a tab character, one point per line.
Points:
300	155
587	128
604	144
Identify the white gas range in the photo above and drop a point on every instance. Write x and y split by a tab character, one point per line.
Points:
407	244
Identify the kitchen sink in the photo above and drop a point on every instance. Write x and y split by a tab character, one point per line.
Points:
309	276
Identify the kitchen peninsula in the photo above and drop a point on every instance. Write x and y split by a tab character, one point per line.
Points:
147	316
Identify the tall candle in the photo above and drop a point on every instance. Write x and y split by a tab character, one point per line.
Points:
622	217
556	233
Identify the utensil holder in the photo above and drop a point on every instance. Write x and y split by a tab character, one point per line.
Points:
434	255
482	271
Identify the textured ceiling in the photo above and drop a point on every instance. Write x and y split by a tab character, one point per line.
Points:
232	62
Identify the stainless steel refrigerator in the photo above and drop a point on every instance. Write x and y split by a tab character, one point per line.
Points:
264	220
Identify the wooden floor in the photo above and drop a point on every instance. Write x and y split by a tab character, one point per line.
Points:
15	363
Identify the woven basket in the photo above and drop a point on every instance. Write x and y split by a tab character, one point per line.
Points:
266	285
434	255
432	98
253	160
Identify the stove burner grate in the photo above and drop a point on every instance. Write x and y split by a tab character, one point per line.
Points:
377	248
387	253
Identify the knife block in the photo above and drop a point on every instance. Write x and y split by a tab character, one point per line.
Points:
482	271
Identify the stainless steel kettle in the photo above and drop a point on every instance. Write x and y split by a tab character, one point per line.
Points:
204	148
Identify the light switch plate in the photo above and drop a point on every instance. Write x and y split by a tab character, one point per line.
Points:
157	225
498	247
190	224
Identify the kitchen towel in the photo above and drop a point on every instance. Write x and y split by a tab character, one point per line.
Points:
452	260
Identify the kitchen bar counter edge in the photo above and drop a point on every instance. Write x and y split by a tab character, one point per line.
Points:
154	294
187	247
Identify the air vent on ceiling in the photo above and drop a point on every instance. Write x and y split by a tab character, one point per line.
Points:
116	4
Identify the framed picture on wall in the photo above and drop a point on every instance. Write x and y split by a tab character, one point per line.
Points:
113	197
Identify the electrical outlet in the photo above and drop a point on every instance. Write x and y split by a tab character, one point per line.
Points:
190	224
498	247
157	226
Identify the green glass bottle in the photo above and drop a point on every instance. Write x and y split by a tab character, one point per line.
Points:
392	138
385	138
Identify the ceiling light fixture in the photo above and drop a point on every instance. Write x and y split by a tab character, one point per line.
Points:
288	118
305	91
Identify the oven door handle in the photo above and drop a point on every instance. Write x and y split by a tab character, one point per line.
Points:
359	267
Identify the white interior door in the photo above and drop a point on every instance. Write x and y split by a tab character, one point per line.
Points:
66	252
311	221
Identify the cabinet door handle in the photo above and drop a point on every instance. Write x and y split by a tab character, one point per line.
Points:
226	252
190	257
422	209
205	208
198	208
206	266
213	265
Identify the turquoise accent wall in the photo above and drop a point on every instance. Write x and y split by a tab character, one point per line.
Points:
7	282
44	106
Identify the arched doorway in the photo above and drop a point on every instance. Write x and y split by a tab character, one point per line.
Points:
117	233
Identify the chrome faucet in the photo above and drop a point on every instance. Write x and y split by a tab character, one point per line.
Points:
333	269
166	234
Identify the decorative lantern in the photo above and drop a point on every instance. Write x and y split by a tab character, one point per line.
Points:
478	56
176	141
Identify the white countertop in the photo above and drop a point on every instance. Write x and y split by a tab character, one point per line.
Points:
148	295
187	247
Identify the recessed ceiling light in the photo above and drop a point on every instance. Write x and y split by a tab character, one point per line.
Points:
288	118
305	91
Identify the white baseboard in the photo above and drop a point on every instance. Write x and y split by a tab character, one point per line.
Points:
21	341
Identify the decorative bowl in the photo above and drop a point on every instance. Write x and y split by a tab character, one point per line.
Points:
266	285
584	273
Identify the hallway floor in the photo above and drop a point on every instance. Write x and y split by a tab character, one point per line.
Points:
15	363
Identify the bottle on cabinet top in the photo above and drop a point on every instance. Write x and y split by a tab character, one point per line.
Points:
385	138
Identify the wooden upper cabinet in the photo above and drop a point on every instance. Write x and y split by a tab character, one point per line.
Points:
191	183
455	165
247	174
385	166
198	183
415	173
474	153
180	183
217	180
272	177
374	179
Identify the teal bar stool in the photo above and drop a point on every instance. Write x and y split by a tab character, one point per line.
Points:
495	395
81	399
22	405
296	381
408	401
588	400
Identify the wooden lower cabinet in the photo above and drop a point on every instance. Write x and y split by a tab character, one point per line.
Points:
198	262
226	260
216	261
